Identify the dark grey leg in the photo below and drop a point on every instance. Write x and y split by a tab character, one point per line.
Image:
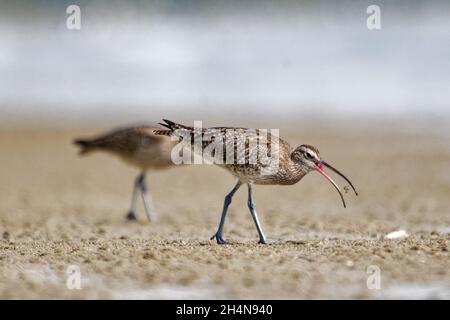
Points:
132	213
148	203
228	198
252	207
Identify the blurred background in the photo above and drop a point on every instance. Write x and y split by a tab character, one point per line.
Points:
375	102
276	60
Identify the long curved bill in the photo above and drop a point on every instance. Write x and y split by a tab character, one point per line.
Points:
320	169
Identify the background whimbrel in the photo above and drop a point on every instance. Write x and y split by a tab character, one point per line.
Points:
290	166
140	147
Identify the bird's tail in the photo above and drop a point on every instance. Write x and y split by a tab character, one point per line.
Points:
86	146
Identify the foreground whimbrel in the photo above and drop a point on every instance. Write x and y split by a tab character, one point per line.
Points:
287	168
140	147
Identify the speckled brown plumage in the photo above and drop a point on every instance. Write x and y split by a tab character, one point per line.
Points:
284	171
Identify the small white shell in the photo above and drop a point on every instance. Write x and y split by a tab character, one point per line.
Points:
399	234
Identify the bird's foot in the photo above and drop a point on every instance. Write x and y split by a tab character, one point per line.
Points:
131	216
219	239
263	241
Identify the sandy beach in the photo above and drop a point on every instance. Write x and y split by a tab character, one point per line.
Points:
59	210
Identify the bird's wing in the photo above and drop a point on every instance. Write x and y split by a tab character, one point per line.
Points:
231	145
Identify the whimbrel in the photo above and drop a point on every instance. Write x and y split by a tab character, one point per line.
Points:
140	147
287	168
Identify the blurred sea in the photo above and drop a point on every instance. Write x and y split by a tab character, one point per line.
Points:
200	59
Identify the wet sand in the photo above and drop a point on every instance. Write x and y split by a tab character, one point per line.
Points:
58	210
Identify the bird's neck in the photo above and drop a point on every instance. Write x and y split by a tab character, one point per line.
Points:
292	172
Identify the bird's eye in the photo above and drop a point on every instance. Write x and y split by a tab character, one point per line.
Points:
308	155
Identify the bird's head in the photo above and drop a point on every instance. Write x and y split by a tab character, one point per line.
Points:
309	158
